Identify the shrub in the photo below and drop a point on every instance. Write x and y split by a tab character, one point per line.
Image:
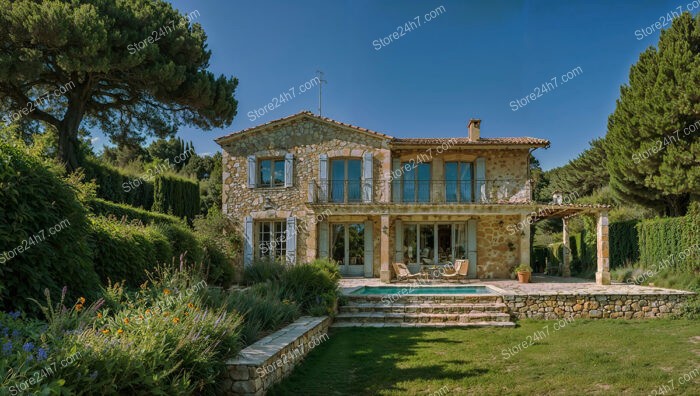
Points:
662	239
313	286
122	211
221	242
43	233
177	196
263	308
262	270
624	248
182	344
117	186
126	251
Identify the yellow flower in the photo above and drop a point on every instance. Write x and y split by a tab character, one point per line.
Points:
126	320
78	307
148	311
190	305
82	300
99	315
120	331
105	331
165	314
166	291
141	317
187	313
176	320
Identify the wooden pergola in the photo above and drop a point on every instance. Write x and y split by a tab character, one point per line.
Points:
568	211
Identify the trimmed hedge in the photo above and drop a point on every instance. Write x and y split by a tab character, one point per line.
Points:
43	234
125	251
105	208
624	243
116	186
176	196
662	239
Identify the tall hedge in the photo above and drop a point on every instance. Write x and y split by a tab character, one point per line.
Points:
117	186
176	196
624	243
666	238
123	211
43	234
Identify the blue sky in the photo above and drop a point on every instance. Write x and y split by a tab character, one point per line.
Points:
471	61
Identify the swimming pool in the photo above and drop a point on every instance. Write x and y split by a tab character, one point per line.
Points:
419	290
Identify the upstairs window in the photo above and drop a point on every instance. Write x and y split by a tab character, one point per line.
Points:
271	172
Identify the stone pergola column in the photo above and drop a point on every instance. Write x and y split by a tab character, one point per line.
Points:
384	255
525	240
602	276
566	251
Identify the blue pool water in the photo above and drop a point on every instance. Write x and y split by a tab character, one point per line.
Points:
368	290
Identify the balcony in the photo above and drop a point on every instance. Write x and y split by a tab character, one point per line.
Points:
420	192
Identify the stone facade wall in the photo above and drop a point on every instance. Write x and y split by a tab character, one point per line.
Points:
306	140
268	361
614	306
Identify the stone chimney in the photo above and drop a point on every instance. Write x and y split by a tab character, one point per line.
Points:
474	129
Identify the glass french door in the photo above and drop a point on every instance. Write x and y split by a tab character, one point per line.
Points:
348	247
346	179
434	243
458	182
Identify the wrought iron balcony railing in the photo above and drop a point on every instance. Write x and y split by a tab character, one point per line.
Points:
420	191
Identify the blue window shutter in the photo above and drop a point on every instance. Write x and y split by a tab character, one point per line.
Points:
481	186
367	179
323	177
369	248
471	247
252	171
323	242
288	170
398	241
248	247
291	240
396	177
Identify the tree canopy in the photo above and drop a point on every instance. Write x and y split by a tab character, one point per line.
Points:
653	140
129	67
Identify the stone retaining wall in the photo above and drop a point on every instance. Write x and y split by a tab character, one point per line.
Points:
263	364
620	306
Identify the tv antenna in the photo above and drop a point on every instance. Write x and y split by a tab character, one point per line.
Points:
321	81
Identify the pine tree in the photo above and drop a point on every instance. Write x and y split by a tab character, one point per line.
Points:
652	156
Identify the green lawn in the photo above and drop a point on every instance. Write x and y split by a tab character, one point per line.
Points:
584	357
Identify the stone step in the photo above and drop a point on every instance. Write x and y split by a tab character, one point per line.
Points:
433	325
381	317
424	308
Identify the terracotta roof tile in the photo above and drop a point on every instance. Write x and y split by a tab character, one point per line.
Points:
525	141
464	140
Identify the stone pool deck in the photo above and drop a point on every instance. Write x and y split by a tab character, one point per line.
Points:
549	297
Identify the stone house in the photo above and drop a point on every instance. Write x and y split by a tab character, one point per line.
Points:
306	186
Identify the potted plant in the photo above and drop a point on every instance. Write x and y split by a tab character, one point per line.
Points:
524	271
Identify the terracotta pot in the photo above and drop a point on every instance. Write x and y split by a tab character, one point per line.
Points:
524	277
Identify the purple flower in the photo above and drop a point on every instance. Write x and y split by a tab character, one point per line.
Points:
42	354
28	347
15	314
7	348
16	333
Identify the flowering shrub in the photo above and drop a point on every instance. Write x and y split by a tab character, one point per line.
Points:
160	339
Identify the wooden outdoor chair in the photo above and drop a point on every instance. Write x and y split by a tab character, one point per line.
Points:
402	272
461	270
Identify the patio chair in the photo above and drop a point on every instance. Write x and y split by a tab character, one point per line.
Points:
402	272
461	270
